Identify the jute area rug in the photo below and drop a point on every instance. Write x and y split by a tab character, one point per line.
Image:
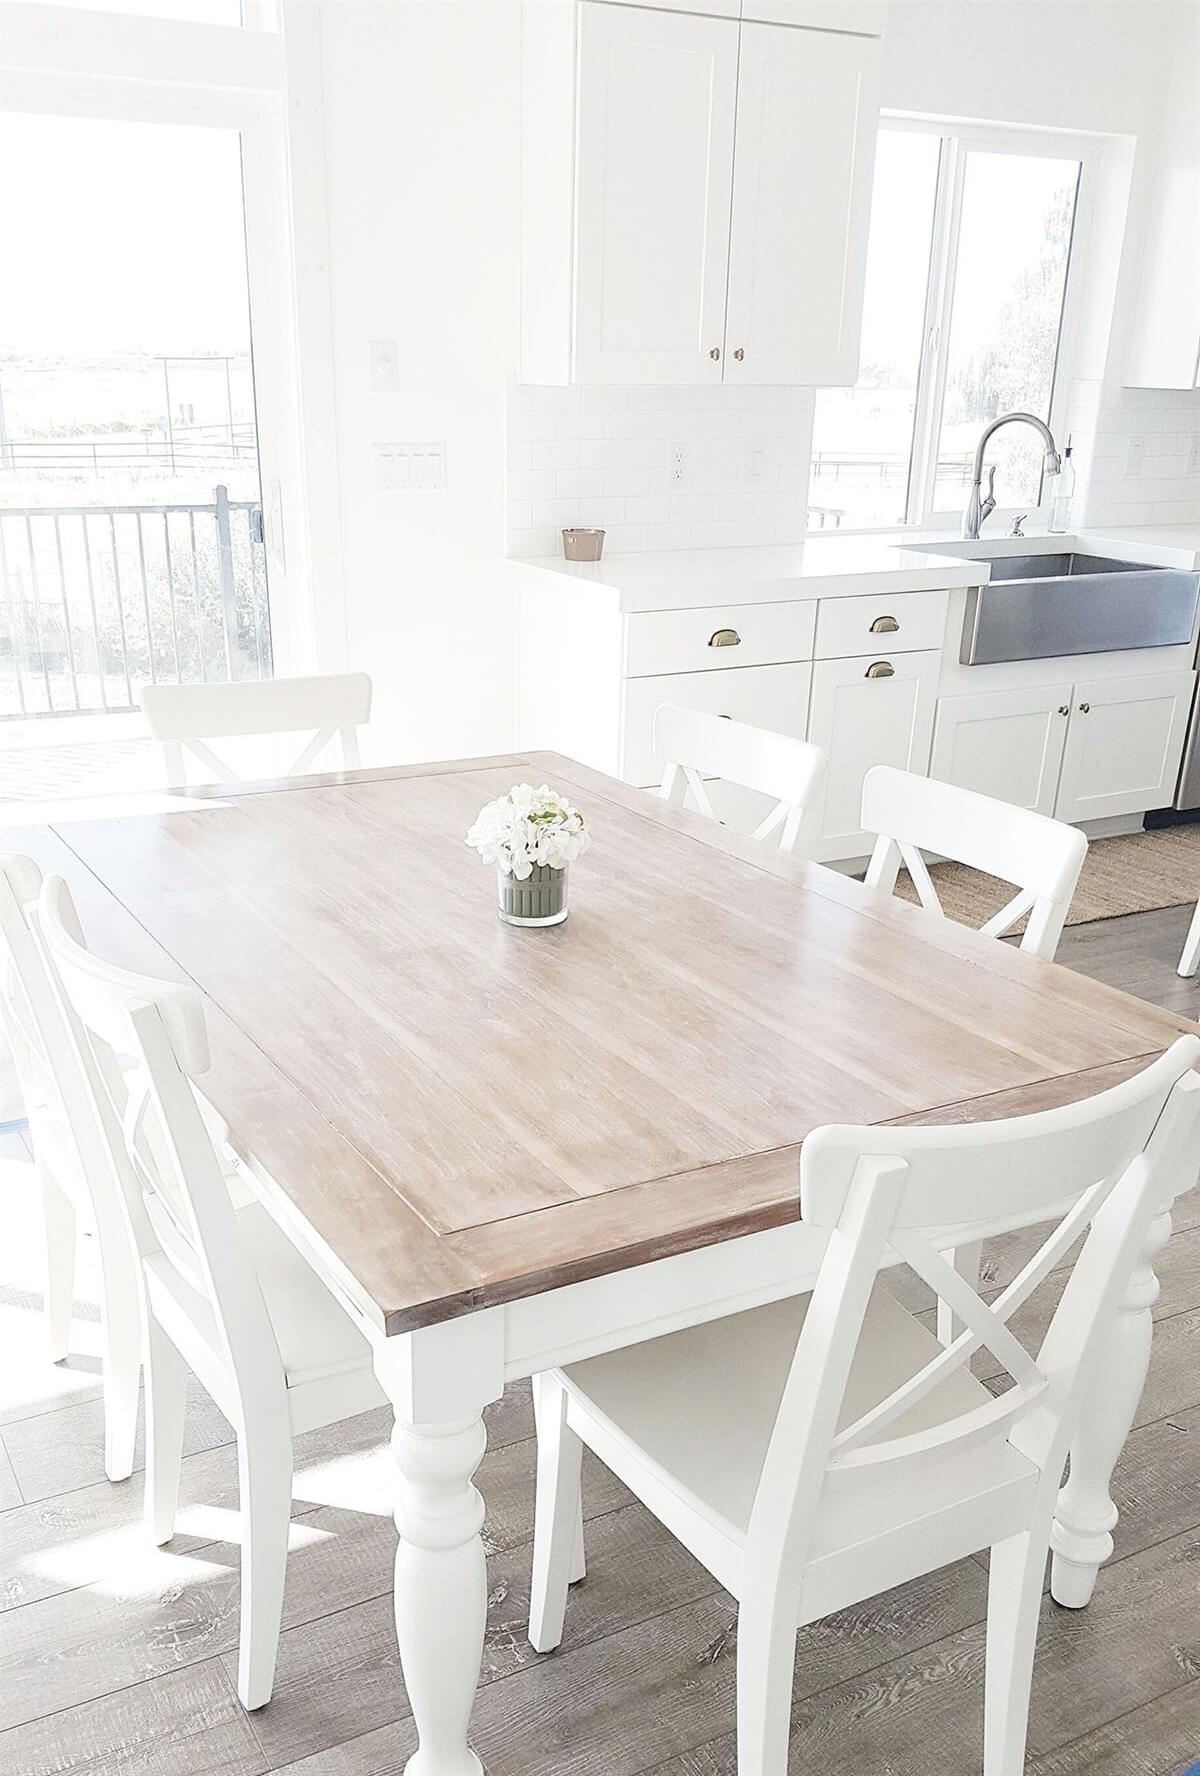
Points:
1134	873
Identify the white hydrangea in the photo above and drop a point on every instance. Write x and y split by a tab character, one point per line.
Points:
529	826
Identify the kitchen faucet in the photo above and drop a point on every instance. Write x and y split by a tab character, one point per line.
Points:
979	508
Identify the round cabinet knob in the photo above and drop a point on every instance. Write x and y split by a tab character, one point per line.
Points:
739	354
715	353
724	638
1083	708
880	669
885	626
1064	709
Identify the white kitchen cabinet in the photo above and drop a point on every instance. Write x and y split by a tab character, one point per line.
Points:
657	98
804	158
1007	744
1124	743
864	712
774	697
684	221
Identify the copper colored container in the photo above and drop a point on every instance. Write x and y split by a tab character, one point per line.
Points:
583	545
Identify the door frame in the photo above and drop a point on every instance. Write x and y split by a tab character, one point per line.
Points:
132	69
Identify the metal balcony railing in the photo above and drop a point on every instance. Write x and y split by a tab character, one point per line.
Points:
96	601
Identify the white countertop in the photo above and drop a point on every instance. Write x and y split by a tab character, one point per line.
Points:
841	566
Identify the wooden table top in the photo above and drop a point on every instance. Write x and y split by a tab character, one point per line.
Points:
463	1112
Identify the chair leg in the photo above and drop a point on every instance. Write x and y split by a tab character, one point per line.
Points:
166	1397
766	1656
965	1260
58	1212
265	1476
1017	1574
557	1520
1189	962
121	1325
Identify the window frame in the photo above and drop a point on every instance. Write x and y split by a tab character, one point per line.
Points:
957	139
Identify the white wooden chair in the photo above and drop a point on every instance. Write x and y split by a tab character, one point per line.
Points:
1189	962
690	745
185	717
1041	857
223	1291
817	1451
73	1167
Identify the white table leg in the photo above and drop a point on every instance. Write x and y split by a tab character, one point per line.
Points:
1085	1516
439	1381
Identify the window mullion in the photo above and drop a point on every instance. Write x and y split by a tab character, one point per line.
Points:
931	390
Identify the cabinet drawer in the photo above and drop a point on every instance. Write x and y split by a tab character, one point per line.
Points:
862	721
717	638
891	623
768	696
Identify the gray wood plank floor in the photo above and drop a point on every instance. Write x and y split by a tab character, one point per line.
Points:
118	1658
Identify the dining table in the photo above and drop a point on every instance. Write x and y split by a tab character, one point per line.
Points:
505	1149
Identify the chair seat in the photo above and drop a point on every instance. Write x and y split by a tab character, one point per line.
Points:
318	1341
694	1412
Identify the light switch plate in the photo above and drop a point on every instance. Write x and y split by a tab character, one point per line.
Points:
385	367
1135	451
410	468
1193	461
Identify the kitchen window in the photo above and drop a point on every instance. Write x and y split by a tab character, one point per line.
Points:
971	269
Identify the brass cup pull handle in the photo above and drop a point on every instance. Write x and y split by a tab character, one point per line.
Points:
885	626
1064	709
881	669
724	638
715	353
739	354
1083	708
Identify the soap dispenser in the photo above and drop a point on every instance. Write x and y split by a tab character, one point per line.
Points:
1064	492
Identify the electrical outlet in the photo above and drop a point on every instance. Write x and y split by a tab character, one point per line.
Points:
756	462
385	367
1193	462
679	465
1135	451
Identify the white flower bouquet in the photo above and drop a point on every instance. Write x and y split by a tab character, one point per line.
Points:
531	835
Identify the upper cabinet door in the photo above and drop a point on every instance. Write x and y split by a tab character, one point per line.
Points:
808	112
657	99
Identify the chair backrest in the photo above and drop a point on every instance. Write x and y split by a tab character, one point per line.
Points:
1039	856
140	1042
57	1099
185	717
1105	1167
690	745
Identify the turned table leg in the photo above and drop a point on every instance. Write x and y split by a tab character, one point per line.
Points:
438	1392
1085	1515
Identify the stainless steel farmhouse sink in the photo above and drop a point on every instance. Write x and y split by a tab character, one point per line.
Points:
1041	605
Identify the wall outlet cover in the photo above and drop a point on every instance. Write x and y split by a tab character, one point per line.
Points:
679	465
385	367
1135	452
410	468
1193	461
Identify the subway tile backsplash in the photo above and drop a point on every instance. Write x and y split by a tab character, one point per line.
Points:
608	456
1164	486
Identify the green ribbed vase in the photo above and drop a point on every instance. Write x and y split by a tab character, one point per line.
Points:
541	899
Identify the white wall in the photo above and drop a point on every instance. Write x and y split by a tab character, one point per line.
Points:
421	125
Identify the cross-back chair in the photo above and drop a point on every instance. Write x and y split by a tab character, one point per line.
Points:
185	717
73	1166
1041	857
223	1291
690	745
816	1451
